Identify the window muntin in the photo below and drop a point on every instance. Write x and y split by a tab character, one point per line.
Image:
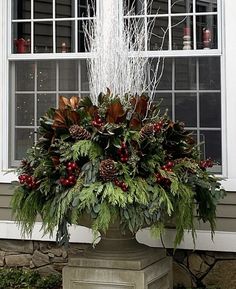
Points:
186	24
37	88
49	26
188	85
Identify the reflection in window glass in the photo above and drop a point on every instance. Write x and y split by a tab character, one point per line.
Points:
185	73
44	102
209	73
210	110
21	9
206	5
46	75
68	75
21	37
64	8
157	7
181	6
24	81
207	32
182	33
159	39
43	37
24	112
86	8
43	9
133	7
164	100
24	139
186	108
211	145
64	36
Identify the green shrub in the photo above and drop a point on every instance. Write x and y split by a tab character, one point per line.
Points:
13	278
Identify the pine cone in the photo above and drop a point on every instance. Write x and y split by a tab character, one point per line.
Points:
107	170
79	133
147	131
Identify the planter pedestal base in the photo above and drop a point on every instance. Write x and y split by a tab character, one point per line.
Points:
150	269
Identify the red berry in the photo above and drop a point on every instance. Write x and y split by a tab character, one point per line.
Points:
29	180
22	182
67	182
74	166
24	177
69	164
123	145
117	182
170	164
164	168
99	120
71	178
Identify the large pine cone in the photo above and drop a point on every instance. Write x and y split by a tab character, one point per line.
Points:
107	170
79	133
147	131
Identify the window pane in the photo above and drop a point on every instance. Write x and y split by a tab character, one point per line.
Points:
206	5
83	76
185	73
86	8
157	6
182	33
24	109
24	139
158	36
211	148
44	102
43	37
65	8
21	9
46	75
68	73
21	37
81	44
65	36
42	9
209	73
181	6
207	32
210	110
166	78
133	7
186	108
24	80
164	100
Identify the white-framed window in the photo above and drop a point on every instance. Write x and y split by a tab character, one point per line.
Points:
194	65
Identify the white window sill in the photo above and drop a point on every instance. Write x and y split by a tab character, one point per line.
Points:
223	241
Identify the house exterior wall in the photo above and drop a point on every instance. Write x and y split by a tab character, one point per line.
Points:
226	212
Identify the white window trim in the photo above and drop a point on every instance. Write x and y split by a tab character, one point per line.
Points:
223	241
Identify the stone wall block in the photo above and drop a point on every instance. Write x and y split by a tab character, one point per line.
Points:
39	259
17	246
181	276
46	270
2	258
21	260
223	275
196	265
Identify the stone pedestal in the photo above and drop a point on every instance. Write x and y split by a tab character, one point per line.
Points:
119	262
150	272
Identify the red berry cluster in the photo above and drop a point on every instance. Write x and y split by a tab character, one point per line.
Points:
123	153
158	126
97	122
121	184
72	170
162	180
28	181
206	164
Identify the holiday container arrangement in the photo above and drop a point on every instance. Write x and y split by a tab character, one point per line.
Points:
119	161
